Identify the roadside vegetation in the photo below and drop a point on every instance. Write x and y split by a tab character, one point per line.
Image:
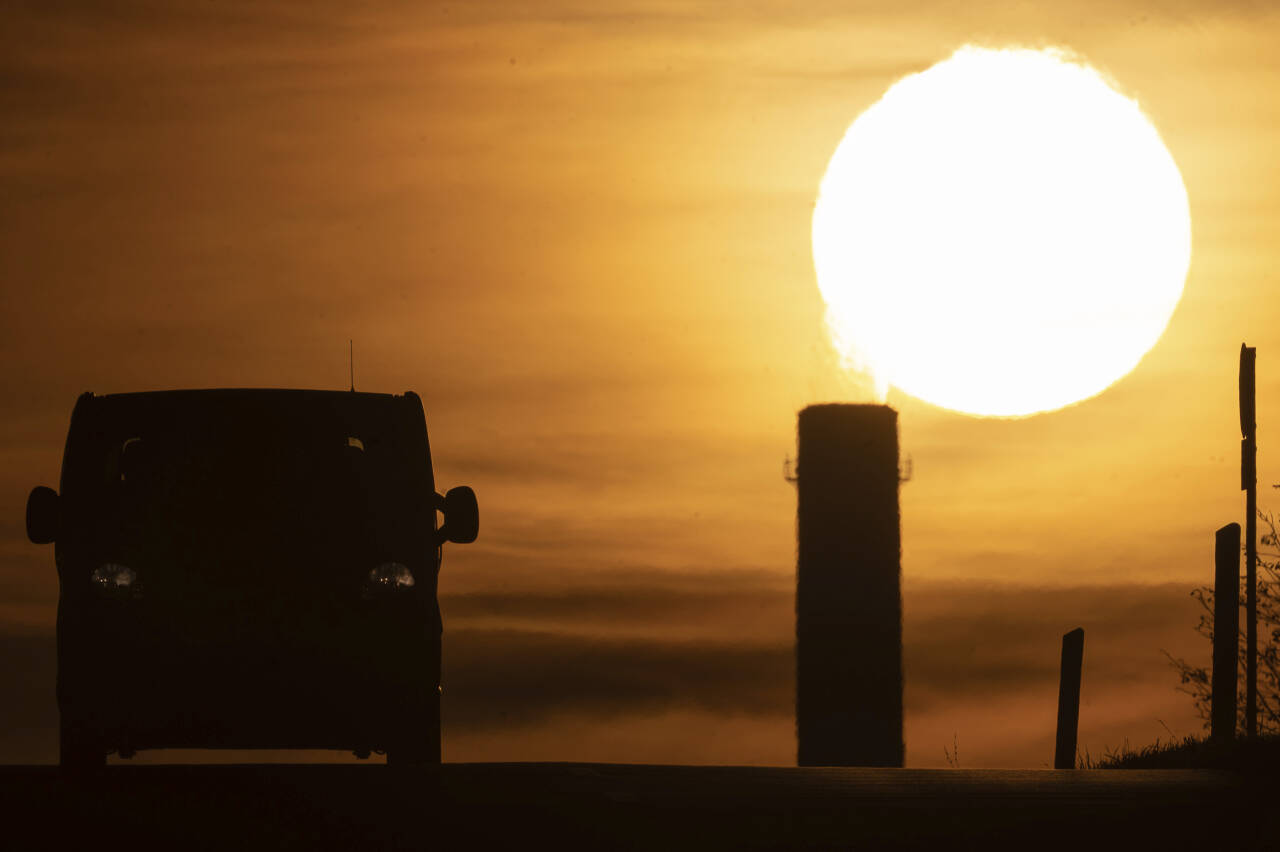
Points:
1198	752
1193	752
1196	681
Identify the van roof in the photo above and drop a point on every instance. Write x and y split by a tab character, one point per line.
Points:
351	407
228	394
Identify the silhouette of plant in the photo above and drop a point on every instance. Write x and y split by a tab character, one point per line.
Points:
1196	680
953	754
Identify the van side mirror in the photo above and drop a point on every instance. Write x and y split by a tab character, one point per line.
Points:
461	515
42	515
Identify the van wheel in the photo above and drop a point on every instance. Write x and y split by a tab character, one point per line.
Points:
80	748
417	743
422	753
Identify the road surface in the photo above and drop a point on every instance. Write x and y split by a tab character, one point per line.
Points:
614	806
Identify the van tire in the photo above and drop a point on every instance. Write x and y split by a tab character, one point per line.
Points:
80	748
418	741
423	750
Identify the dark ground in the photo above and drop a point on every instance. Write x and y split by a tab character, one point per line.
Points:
609	806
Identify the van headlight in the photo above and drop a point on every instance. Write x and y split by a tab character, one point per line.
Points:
389	577
114	578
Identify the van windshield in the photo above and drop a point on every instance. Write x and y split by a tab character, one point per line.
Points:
259	498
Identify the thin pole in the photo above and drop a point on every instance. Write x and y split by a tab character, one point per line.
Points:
1249	484
1226	633
1064	756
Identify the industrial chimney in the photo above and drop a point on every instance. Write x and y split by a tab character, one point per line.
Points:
848	588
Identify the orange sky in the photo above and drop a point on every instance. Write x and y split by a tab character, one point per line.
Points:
583	237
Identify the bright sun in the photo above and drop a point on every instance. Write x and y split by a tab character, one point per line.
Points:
1002	234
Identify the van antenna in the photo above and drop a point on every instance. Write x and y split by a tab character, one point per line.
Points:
351	359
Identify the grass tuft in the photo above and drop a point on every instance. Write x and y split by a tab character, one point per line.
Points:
1193	753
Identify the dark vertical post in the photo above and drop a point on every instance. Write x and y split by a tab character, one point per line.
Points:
1226	632
848	588
1249	484
1064	756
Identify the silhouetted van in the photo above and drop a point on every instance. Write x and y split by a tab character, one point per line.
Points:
249	569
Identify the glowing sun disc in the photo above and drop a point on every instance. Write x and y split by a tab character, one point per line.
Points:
1001	234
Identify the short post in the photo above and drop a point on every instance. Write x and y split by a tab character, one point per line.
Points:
1064	756
1226	632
